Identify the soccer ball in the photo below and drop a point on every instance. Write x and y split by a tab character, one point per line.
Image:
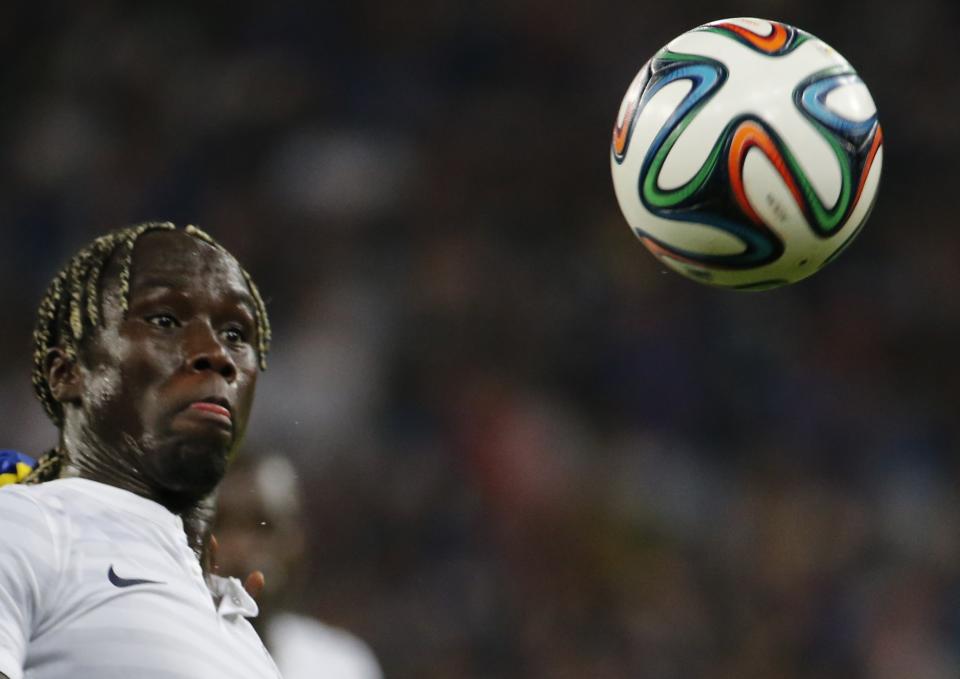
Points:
746	154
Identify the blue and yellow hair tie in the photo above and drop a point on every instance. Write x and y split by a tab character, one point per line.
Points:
15	467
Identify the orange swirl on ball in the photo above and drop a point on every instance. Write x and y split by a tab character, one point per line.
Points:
765	43
664	253
747	136
631	100
871	156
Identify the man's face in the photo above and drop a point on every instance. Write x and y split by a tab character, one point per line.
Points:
176	377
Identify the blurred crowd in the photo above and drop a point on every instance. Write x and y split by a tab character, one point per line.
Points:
527	451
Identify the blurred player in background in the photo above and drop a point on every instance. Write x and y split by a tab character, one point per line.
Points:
259	524
147	350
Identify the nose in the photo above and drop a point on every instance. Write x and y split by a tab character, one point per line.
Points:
206	352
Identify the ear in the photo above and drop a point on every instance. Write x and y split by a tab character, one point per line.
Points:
63	376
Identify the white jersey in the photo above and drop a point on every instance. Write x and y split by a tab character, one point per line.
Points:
99	583
305	648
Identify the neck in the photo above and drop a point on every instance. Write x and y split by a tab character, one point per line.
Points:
86	457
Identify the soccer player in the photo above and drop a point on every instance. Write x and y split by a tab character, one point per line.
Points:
147	350
259	524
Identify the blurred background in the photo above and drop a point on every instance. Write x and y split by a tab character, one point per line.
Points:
526	449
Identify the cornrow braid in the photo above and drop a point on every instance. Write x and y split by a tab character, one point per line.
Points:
70	308
62	317
48	467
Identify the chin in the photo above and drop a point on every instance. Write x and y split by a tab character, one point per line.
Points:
190	470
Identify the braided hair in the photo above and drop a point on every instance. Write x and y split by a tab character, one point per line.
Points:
70	312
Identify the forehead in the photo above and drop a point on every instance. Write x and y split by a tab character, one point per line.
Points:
178	260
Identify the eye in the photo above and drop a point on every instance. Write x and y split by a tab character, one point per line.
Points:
234	335
163	321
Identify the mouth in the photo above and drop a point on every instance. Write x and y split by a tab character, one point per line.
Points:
216	410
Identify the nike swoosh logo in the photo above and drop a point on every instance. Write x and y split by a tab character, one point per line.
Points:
128	582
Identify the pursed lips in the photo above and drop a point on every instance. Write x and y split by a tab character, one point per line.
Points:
213	410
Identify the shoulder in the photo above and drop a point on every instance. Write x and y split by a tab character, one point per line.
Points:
293	625
27	506
33	545
32	503
32	518
59	497
48	493
300	643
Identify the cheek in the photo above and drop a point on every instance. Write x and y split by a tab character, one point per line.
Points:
246	389
122	391
102	388
105	381
155	394
109	409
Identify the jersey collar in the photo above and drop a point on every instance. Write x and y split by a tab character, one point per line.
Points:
234	599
